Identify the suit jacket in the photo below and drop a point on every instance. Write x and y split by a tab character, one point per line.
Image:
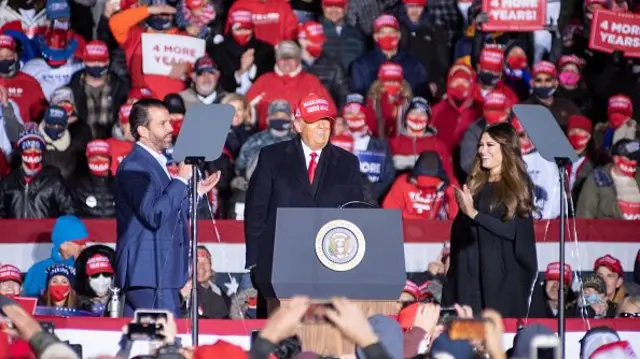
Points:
281	180
152	248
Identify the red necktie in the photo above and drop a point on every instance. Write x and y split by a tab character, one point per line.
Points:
312	166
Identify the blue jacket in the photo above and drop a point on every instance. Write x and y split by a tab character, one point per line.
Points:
67	228
364	71
152	246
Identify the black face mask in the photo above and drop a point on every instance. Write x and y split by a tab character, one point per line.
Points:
544	92
96	71
7	67
488	78
279	124
158	23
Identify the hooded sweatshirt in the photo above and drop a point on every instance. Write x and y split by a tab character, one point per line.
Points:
67	228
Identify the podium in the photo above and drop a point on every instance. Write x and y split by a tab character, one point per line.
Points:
330	252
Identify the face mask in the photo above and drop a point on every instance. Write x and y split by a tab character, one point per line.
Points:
176	124
55	133
356	124
428	181
7	67
569	78
458	93
388	42
617	119
242	40
416	124
31	163
392	89
579	141
158	23
488	78
344	141
593	298
173	169
96	71
59	292
279	124
98	166
494	117
314	50
544	92
100	285
517	62
625	166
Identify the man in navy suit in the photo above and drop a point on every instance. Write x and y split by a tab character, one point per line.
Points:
152	249
306	171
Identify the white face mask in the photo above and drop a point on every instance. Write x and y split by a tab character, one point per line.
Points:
100	285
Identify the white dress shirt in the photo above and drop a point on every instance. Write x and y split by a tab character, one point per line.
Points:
307	154
162	161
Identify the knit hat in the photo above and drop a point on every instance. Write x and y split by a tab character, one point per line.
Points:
98	148
491	59
385	20
524	337
97	51
545	67
412	288
205	64
581	122
389	335
458	349
312	108
279	105
98	264
312	31
595	338
613	264
390	71
241	19
7	42
594	281
61	269
553	272
627	148
287	49
56	115
58	9
421	104
62	94
31	137
220	349
175	104
10	272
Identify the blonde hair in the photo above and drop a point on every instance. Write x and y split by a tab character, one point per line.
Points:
514	190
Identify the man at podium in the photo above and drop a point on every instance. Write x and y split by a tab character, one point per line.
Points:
306	171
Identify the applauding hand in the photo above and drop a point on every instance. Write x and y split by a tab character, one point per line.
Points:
465	201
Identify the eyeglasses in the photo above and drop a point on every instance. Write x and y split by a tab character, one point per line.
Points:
629	315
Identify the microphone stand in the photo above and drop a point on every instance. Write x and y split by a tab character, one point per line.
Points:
562	166
195	162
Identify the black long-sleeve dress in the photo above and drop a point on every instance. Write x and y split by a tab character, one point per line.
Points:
493	262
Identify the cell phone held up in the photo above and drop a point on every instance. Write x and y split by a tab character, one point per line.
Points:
146	326
467	329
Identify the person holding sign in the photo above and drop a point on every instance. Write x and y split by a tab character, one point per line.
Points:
425	192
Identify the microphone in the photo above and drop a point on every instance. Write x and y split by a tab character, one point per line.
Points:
357	202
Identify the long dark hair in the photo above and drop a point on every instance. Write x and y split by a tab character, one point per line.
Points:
514	190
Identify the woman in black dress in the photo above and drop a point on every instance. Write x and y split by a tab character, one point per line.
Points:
493	251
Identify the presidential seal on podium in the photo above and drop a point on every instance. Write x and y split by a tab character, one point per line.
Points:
340	245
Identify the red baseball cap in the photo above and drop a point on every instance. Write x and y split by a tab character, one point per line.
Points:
7	42
407	316
98	148
139	93
553	272
241	19
496	101
386	20
98	264
10	272
312	31
610	262
220	349
124	113
579	121
545	67
515	123
620	104
415	2
340	3
313	108
492	59
570	59
97	51
390	71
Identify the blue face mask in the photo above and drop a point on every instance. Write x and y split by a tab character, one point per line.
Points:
593	298
54	132
7	67
544	92
96	71
279	124
158	23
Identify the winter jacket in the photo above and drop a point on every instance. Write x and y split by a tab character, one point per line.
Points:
94	196
344	47
585	167
66	229
119	93
598	197
25	90
364	71
237	137
407	149
452	122
381	187
10	126
581	97
274	21
388	112
117	56
540	306
416	204
51	78
252	147
332	75
424	41
86	296
561	109
469	145
64	153
190	96
126	29
46	196
227	56
288	88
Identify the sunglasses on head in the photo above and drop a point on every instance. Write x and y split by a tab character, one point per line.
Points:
629	315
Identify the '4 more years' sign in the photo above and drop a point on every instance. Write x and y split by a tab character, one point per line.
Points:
515	15
161	51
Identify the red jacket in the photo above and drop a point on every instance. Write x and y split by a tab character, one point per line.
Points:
119	150
420	203
451	122
274	20
26	92
508	92
127	31
406	150
288	88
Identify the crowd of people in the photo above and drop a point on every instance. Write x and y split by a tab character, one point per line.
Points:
412	84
